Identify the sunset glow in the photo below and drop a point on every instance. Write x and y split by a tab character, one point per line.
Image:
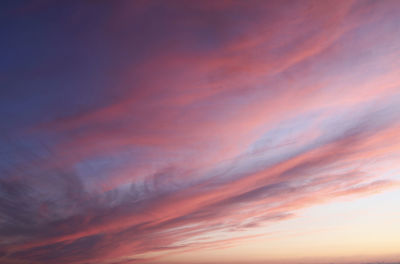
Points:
199	132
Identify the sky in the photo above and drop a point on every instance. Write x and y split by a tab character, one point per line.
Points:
199	132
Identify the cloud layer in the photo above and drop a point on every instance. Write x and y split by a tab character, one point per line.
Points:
133	129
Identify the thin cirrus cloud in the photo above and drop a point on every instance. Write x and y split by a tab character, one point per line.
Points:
133	129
